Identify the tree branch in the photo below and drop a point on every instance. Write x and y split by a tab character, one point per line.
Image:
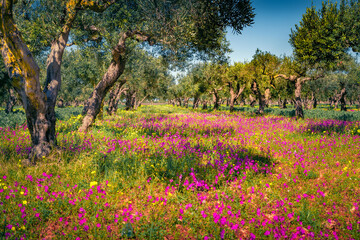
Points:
15	42
290	78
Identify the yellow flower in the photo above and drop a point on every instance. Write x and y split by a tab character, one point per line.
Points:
23	227
94	183
21	192
13	228
93	172
5	187
24	202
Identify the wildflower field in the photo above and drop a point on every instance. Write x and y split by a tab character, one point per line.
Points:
172	173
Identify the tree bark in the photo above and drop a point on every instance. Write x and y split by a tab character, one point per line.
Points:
267	97
260	96
299	113
130	100
299	80
204	107
11	101
24	72
138	103
115	97
196	102
252	101
114	71
186	102
61	104
216	99
314	100
234	95
282	103
342	99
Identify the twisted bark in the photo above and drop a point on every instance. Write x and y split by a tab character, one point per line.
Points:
234	95
116	68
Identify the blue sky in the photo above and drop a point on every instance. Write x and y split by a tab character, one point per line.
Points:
270	31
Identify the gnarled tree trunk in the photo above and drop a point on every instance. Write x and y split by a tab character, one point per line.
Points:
282	103
205	106
267	97
24	72
252	100
216	99
130	100
299	112
114	98
342	99
138	103
196	102
234	95
11	101
186	102
260	96
117	65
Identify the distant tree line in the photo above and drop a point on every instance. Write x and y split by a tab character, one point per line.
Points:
321	68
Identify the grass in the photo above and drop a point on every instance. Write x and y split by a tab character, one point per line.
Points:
163	172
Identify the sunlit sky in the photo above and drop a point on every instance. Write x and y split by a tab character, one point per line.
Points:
270	31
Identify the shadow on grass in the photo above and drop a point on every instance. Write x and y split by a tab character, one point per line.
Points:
327	127
195	167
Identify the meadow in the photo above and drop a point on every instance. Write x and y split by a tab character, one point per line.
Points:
165	172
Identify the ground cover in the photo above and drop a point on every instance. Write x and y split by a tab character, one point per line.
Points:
170	173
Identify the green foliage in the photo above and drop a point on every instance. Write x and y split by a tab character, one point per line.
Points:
19	118
13	119
324	36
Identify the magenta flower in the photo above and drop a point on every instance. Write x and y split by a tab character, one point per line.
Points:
98	225
82	221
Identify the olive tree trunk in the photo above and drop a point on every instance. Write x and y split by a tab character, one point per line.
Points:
205	106
267	97
252	100
196	102
299	81
114	98
39	105
216	99
342	99
260	96
138	103
234	95
282	103
299	112
130	100
11	101
116	68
